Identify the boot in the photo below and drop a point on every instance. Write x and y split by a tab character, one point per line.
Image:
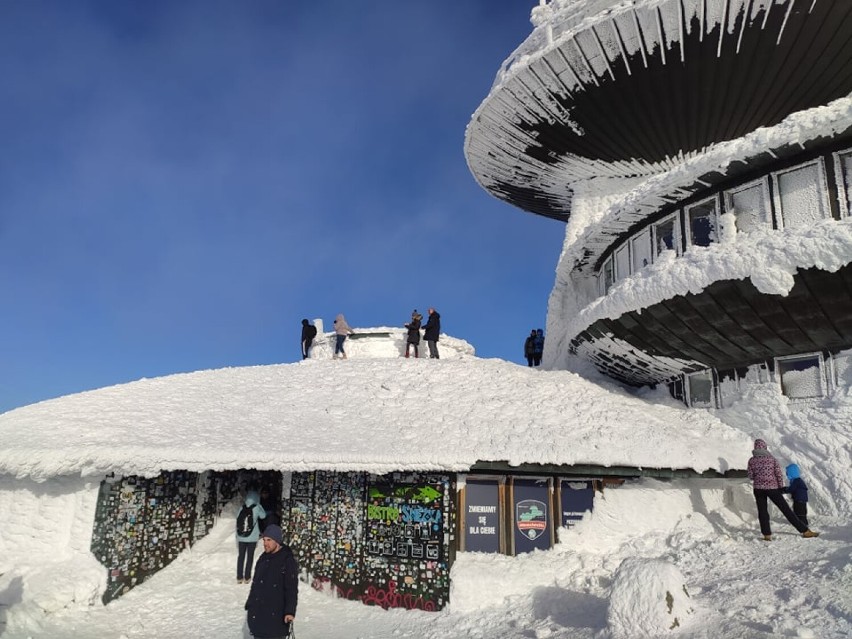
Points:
767	538
810	533
406	355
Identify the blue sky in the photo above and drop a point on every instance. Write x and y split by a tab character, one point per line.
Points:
181	182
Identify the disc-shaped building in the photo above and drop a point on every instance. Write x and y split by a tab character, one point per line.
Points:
700	153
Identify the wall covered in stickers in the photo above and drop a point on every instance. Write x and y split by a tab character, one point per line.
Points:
386	540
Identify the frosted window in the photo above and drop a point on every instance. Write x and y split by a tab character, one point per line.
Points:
701	219
729	388
800	193
641	245
665	236
750	205
844	165
800	377
622	262
701	390
607	275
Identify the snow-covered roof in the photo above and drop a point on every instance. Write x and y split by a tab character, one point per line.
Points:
377	415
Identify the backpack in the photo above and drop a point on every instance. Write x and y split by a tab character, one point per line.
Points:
312	331
245	521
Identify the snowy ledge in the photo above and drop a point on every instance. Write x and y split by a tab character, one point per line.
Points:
364	415
769	259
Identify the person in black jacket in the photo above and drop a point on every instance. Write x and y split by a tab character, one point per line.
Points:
529	348
271	604
309	332
413	334
431	331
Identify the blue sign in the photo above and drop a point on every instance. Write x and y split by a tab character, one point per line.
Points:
482	516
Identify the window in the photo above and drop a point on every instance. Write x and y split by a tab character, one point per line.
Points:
801	376
640	250
666	235
622	261
750	205
701	222
843	166
701	389
607	276
800	194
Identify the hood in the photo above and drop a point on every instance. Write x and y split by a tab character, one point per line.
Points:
252	498
759	444
793	471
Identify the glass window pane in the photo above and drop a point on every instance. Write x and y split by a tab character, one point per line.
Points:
607	274
800	194
701	390
664	236
641	245
702	223
800	377
750	206
845	164
622	262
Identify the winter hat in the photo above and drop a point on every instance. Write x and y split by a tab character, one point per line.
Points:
759	444
274	532
793	471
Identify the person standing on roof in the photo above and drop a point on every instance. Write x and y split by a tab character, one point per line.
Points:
309	332
529	348
413	334
538	347
248	532
342	331
431	332
765	473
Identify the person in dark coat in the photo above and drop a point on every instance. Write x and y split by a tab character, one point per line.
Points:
309	332
413	334
271	604
798	490
529	348
765	473
431	332
538	347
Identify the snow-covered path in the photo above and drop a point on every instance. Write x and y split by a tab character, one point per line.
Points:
743	588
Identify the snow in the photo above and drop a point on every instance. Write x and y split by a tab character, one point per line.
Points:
698	534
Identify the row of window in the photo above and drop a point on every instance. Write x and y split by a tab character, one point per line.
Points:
800	377
797	196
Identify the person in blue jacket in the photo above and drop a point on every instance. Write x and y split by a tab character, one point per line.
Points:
247	537
271	604
538	346
798	490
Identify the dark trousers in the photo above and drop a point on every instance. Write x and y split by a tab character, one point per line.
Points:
537	359
245	558
433	349
801	510
306	348
408	349
776	497
530	359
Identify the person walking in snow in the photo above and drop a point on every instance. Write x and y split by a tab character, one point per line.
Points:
798	490
309	332
341	330
248	532
413	334
529	348
765	473
431	332
538	347
271	604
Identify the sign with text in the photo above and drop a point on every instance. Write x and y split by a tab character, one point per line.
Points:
482	516
577	498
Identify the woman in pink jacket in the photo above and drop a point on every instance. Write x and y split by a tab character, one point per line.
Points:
765	473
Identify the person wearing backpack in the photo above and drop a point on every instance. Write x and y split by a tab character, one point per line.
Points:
248	532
